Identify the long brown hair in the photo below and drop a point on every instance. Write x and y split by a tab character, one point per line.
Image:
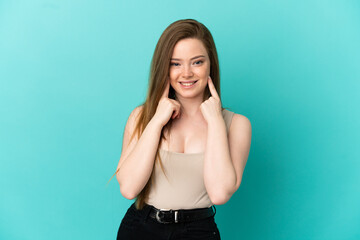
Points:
159	73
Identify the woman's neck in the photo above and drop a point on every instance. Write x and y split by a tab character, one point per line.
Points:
190	107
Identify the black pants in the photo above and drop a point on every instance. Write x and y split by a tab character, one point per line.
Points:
137	224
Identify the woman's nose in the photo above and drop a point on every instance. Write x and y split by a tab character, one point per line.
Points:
187	72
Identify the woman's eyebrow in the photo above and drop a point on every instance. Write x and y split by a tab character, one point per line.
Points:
190	58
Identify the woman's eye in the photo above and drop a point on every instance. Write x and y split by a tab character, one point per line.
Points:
174	64
198	62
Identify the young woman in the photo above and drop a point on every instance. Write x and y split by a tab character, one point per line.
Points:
182	152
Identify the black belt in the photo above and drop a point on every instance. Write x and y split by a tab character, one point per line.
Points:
182	215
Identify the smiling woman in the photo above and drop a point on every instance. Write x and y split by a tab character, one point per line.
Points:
189	73
182	152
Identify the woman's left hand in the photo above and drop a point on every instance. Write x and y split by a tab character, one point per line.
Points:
211	108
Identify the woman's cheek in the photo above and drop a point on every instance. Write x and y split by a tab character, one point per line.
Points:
173	75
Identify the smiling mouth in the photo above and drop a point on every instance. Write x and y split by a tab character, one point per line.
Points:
188	83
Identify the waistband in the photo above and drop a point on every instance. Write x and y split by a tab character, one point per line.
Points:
181	215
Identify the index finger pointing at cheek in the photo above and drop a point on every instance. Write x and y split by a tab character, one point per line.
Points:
212	89
166	90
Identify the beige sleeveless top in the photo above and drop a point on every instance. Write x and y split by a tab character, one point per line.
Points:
184	186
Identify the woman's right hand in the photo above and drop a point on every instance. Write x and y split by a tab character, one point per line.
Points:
167	108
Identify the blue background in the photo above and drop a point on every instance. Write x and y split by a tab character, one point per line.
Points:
72	71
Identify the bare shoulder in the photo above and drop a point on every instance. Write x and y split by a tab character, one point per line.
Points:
240	123
134	115
132	120
241	119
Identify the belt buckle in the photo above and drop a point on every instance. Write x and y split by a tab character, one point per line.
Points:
168	211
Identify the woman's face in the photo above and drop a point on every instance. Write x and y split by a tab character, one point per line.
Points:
189	68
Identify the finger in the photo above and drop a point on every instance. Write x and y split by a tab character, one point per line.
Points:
176	113
178	108
175	107
175	103
213	89
166	90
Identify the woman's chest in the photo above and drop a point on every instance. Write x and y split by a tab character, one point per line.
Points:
186	138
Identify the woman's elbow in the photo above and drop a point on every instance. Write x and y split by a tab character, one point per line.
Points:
126	190
220	199
127	194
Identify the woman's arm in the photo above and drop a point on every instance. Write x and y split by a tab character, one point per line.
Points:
137	157
226	157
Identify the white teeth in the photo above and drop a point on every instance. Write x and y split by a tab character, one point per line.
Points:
187	84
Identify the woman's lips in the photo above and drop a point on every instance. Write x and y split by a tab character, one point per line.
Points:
188	84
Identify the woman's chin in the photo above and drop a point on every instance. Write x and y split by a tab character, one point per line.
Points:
189	95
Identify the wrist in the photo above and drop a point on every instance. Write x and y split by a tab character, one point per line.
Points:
216	122
155	123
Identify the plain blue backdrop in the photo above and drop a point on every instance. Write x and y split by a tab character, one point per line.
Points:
72	71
